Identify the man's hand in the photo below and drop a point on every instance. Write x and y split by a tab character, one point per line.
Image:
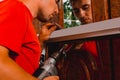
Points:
51	78
46	31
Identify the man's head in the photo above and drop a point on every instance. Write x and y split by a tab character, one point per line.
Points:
44	10
47	10
82	10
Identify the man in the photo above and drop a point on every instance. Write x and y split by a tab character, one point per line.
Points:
80	63
82	10
19	46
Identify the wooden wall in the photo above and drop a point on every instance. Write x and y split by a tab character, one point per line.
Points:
115	12
109	51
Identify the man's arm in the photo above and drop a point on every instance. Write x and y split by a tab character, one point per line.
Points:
9	70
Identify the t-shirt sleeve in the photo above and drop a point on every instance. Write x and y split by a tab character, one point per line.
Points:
12	28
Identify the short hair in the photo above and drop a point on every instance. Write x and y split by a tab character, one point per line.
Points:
72	1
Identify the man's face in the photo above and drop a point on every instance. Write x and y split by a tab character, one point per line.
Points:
82	10
48	9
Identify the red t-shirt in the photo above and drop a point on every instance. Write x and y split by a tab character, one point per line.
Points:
91	47
18	35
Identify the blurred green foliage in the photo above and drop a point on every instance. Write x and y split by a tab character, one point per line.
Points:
69	19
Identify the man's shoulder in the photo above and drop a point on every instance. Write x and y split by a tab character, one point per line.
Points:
11	6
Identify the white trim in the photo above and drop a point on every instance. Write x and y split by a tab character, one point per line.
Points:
102	28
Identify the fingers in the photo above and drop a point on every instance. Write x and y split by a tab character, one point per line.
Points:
51	27
46	31
48	25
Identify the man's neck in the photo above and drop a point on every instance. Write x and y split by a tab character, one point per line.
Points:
32	6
